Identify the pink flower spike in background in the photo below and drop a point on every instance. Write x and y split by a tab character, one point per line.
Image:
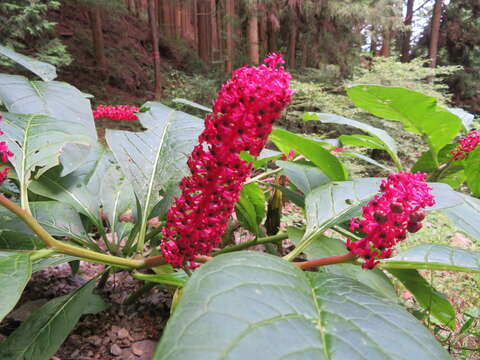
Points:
466	145
242	118
389	216
4	155
116	113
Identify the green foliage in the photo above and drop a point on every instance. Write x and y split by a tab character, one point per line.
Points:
414	75
237	304
25	27
259	299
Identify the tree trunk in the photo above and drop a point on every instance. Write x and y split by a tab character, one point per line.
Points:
386	43
252	34
292	37
152	17
215	50
407	35
98	43
204	30
435	34
230	36
373	41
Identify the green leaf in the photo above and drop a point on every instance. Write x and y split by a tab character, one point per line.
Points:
361	140
472	171
419	113
178	279
59	219
465	116
15	271
40	336
312	150
250	209
155	159
303	176
56	100
11	240
378	137
192	104
117	198
54	260
435	257
465	214
81	188
336	202
430	299
43	70
323	246
37	143
261	304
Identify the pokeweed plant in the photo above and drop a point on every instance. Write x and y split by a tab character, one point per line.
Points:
168	217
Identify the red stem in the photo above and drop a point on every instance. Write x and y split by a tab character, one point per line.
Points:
344	258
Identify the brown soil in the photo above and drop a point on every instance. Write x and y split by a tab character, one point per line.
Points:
123	332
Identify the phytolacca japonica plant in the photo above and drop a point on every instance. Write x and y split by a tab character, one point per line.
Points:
179	193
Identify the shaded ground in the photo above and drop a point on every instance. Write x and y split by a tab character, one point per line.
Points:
125	332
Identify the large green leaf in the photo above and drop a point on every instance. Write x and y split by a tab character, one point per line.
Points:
80	189
40	336
44	70
57	100
430	299
472	170
37	143
465	214
57	218
15	271
378	139
435	257
43	263
305	177
249	305
117	198
11	240
323	246
154	159
312	150
335	202
250	209
419	113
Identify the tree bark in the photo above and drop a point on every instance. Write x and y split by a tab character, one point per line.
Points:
204	30
252	34
435	32
230	36
98	42
292	37
407	35
152	17
386	43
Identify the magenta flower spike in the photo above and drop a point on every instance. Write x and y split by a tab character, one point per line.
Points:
389	216
4	155
466	144
242	118
116	113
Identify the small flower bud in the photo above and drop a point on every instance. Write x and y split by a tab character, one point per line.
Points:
396	207
413	227
417	216
380	217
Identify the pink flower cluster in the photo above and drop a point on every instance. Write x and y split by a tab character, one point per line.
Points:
116	113
466	145
389	216
242	118
4	155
